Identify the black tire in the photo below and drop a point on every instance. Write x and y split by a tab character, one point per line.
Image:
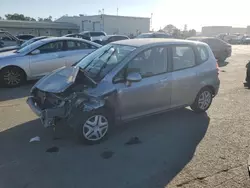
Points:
12	77
197	106
82	128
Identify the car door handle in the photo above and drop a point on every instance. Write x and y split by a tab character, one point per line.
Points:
60	56
164	79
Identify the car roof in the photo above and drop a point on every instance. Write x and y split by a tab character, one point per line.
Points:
52	39
117	36
24	35
152	41
201	38
93	32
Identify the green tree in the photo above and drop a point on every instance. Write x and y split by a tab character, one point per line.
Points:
192	32
169	28
49	19
19	17
177	33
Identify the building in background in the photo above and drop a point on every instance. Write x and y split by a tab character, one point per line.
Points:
111	24
248	30
215	30
239	30
38	28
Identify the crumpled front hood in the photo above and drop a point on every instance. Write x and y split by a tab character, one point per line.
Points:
9	54
59	80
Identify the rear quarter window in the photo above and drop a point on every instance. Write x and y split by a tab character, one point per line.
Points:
203	53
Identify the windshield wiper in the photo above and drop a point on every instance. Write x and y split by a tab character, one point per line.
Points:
105	64
96	58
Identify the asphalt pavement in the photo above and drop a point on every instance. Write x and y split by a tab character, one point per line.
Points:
174	149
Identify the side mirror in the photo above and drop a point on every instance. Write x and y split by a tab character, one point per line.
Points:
35	52
134	77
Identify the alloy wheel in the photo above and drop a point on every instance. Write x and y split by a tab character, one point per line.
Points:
12	77
95	127
205	100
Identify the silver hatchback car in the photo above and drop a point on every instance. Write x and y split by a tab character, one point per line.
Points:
40	58
125	80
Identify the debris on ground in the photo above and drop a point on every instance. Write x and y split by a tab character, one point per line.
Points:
52	149
35	139
107	154
133	140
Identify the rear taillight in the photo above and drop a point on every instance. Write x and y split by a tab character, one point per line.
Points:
217	67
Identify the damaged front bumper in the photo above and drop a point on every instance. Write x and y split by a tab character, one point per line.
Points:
47	116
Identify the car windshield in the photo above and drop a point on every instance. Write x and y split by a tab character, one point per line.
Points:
144	36
27	43
28	47
103	60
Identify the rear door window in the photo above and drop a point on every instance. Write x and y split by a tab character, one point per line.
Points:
78	45
214	43
52	47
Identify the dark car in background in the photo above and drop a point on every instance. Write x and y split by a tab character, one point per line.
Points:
154	35
25	36
247	83
9	48
221	49
78	35
111	38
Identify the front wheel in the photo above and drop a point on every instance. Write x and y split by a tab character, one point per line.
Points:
12	77
93	128
203	100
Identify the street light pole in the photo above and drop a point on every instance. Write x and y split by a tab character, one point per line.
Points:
151	22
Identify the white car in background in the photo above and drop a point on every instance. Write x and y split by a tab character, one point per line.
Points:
42	57
95	36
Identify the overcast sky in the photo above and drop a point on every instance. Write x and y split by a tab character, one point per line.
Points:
194	13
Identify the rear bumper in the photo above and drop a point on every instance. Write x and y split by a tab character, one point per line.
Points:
217	87
47	116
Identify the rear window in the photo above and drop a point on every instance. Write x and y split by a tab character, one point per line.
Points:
214	42
144	36
97	34
203	53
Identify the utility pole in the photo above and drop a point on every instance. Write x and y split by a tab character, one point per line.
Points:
103	11
151	22
117	11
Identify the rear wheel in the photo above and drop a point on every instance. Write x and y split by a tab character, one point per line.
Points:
203	100
12	76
